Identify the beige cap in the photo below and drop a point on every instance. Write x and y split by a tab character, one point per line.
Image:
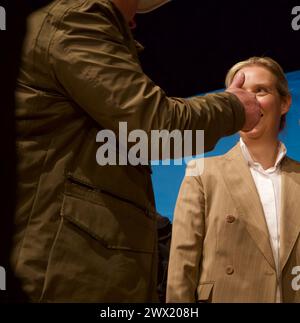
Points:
145	6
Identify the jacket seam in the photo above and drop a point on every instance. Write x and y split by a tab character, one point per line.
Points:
57	25
49	259
32	211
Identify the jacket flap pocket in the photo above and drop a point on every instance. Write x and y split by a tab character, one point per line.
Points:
204	291
114	223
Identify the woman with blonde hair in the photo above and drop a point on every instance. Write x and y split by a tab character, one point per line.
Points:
236	225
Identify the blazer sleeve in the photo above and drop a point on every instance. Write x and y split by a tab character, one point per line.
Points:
97	70
187	239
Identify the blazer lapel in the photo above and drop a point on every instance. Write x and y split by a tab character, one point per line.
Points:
290	216
241	186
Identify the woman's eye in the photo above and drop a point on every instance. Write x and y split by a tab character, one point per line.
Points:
261	91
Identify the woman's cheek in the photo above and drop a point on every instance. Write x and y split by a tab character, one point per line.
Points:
266	102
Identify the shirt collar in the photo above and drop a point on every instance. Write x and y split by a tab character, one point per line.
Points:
281	154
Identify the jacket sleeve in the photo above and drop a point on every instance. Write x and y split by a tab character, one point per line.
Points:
187	239
96	68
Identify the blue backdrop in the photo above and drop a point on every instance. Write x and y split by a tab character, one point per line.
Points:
167	179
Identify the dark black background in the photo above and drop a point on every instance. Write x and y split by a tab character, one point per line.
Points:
189	46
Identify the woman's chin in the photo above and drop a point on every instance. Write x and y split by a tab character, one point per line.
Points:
255	133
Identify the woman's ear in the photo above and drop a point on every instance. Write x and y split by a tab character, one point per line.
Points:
286	104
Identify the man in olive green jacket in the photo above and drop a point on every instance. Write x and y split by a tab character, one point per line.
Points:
84	232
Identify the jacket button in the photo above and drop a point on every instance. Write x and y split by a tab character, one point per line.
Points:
269	273
229	270
230	218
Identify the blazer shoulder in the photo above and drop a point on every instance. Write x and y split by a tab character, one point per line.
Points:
202	166
292	163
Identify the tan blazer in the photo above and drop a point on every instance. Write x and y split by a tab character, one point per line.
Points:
220	250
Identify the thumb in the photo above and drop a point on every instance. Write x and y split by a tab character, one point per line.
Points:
238	81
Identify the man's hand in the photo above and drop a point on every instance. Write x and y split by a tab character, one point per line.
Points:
249	101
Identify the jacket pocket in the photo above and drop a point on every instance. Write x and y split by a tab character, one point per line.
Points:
104	250
204	292
114	223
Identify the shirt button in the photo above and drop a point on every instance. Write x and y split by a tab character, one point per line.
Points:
230	218
229	270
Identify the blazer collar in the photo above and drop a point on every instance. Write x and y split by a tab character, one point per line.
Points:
243	191
242	188
290	216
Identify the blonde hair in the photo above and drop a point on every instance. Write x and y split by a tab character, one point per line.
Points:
272	66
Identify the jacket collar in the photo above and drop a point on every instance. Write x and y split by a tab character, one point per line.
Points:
243	191
290	216
242	188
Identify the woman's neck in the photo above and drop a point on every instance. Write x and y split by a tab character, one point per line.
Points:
263	151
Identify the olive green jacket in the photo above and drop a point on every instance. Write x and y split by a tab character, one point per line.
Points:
84	232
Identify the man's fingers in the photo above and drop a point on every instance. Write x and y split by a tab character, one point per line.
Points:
238	81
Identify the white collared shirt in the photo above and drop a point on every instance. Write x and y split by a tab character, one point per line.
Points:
268	184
